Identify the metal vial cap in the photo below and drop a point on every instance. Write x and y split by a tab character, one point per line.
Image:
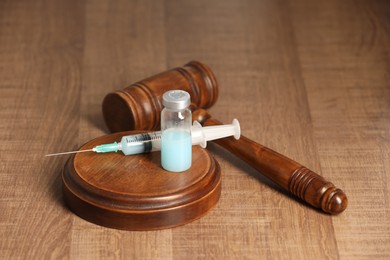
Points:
176	99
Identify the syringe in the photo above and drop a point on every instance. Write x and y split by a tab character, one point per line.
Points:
149	142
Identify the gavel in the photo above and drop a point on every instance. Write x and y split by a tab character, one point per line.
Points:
138	107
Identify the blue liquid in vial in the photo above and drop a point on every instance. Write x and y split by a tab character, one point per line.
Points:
176	150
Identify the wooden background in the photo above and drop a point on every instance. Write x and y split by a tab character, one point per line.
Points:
309	79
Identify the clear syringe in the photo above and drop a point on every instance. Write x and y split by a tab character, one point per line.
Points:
149	142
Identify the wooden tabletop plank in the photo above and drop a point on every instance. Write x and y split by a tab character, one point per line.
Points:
350	105
40	83
308	79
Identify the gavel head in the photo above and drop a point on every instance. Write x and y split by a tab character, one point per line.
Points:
139	105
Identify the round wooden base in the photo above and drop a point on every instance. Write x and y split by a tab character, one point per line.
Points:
134	192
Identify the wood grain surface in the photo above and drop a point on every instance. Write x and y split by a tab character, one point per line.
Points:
309	79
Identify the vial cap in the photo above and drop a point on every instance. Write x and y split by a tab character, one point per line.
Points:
176	99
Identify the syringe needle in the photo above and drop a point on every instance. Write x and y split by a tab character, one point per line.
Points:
55	154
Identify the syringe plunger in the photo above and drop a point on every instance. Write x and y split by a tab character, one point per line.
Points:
201	135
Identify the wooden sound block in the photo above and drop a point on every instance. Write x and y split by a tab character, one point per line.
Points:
134	192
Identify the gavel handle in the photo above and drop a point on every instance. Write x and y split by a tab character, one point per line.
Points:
290	175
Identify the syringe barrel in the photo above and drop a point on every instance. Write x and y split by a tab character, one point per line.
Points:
141	143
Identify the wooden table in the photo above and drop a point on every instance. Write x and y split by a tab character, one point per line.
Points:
309	79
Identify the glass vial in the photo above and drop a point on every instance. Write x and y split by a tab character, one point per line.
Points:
176	143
